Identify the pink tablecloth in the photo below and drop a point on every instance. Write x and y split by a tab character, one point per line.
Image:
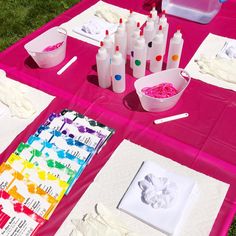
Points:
205	141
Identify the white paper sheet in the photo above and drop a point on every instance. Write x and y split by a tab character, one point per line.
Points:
210	47
114	178
83	17
12	126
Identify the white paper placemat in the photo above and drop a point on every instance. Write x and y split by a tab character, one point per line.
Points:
83	18
209	47
115	177
12	126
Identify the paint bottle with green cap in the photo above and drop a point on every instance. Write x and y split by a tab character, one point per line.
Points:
118	72
140	55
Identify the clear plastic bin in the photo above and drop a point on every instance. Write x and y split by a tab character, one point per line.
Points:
202	11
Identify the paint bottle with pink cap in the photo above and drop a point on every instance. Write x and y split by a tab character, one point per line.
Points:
121	39
156	54
108	43
103	67
140	54
118	72
175	50
130	27
134	36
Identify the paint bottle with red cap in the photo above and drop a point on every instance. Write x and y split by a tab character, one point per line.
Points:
121	39
149	33
108	43
140	54
165	28
175	50
130	27
103	67
155	16
156	54
118	72
134	36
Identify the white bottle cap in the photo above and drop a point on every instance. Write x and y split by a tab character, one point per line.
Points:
154	11
159	37
163	19
177	35
107	38
102	52
117	56
140	42
131	17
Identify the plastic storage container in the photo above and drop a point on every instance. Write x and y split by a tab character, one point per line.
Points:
202	11
50	38
178	77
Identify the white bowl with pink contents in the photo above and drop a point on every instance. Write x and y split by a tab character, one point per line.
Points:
49	48
178	77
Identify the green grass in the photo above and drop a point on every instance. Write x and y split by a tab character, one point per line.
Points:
20	17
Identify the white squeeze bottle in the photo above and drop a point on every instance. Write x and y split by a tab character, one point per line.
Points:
165	28
149	33
103	67
155	16
156	54
130	26
108	44
175	50
118	72
140	53
121	39
134	36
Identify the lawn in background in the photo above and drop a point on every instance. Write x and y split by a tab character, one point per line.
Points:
20	17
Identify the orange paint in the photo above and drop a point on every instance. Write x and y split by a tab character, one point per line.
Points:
175	57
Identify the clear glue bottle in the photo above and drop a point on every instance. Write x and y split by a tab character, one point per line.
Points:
121	39
165	28
130	26
134	36
108	44
140	53
155	16
175	50
156	55
118	72
149	33
103	67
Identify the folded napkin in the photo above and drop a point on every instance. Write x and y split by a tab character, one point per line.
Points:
157	197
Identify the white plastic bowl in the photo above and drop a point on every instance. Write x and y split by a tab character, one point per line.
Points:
47	59
178	77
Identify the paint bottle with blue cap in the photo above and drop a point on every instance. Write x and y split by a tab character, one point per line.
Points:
118	72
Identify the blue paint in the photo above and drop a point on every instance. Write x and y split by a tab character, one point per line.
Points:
118	77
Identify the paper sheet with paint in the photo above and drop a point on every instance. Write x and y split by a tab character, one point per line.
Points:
80	119
49	164
46	181
63	162
26	192
78	132
68	144
17	219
